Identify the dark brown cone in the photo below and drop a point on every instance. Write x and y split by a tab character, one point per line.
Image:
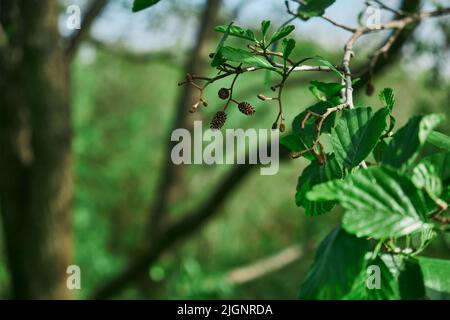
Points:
224	93
246	108
219	120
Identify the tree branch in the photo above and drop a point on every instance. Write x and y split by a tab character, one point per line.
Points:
265	266
134	57
92	13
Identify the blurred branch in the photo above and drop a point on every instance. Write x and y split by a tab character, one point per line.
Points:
136	57
170	172
172	234
265	266
92	13
392	45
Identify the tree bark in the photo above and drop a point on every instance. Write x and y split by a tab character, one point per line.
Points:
35	144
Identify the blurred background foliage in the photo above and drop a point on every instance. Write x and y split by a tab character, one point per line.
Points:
122	111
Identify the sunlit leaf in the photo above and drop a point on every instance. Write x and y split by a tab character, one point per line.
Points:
439	140
408	140
245	57
281	33
324	91
328	64
381	203
218	59
387	97
237	32
287	47
356	134
436	273
265	25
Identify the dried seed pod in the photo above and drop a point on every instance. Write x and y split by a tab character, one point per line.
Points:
218	120
194	107
246	108
224	93
282	127
263	97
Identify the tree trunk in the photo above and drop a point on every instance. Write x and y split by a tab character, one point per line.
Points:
35	145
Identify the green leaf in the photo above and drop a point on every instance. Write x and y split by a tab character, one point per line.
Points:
324	91
315	174
328	64
436	273
424	176
439	140
381	203
339	260
356	134
139	5
237	32
432	174
388	283
408	141
287	48
292	142
387	97
325	191
313	8
281	33
400	278
265	25
441	164
218	59
245	57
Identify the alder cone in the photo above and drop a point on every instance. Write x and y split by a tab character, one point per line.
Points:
219	120
246	108
224	93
